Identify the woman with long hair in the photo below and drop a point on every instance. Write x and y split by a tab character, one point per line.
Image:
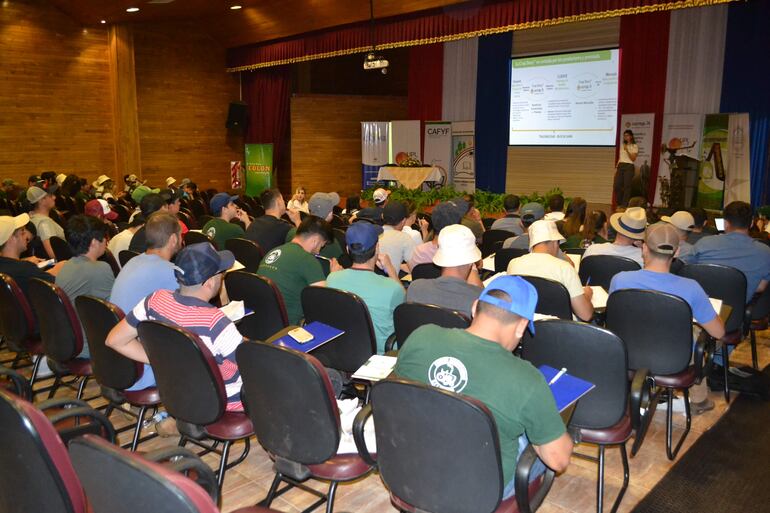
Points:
594	231
298	201
575	217
625	169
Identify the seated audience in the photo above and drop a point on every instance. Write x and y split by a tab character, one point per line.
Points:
43	202
173	199
220	229
421	235
122	240
542	262
381	294
298	201
683	222
444	214
293	266
575	217
555	208
530	213
374	214
14	238
190	190
151	203
699	228
199	271
138	195
84	274
479	363
322	205
459	284
100	209
512	220
471	215
352	205
269	230
594	231
393	241
629	227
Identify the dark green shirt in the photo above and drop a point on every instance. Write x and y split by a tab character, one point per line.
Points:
515	392
221	231
331	250
576	241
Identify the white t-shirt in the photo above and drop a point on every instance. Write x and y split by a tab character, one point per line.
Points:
608	248
414	234
120	242
625	149
397	245
554	216
549	267
296	205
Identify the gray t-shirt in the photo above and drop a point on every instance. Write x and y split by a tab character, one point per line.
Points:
46	227
509	224
82	276
522	242
444	291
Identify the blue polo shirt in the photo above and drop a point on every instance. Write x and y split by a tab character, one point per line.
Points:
737	250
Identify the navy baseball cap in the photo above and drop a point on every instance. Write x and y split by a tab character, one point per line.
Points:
523	297
197	263
220	201
362	236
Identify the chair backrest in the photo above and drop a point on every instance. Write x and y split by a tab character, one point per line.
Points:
492	240
262	296
187	219
407	317
591	353
247	252
188	380
198	207
423	470
601	268
196	237
111	369
552	297
36	473
15	383
345	311
721	282
126	255
60	328
656	327
760	306
428	270
115	480
290	402
503	257
61	249
17	322
110	259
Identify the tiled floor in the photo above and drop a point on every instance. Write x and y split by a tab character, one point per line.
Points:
574	491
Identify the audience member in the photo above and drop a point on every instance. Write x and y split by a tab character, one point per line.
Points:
459	284
103	187
322	205
220	229
393	241
43	202
512	220
190	190
269	230
699	226
418	236
555	208
575	217
14	238
150	203
352	205
374	214
173	200
100	209
298	201
541	261
479	362
594	231
683	222
84	274
122	240
170	183
471	215
444	214
381	294
629	227
530	213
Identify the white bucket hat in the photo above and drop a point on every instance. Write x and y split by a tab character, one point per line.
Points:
456	246
170	181
543	231
630	223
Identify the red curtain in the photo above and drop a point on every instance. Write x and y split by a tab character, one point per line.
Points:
426	71
267	93
643	61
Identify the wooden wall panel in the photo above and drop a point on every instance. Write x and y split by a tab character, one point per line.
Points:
183	94
55	108
579	171
326	138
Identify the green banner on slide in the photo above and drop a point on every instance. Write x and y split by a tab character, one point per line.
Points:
563	58
710	187
259	168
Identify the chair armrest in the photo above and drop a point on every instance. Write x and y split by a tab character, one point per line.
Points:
62	403
390	342
526	503
640	397
703	355
20	384
187	462
358	434
75	411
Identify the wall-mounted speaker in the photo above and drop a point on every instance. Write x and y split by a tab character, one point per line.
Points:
237	115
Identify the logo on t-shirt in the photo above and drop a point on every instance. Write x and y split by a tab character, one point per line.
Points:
448	373
273	256
211	232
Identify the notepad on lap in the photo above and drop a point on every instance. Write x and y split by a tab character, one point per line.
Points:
236	310
600	297
567	389
377	367
322	333
489	263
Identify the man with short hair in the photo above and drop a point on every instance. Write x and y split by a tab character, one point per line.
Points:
43	202
478	362
629	226
122	240
150	203
84	274
199	271
322	205
393	241
459	284
699	229
293	266
555	208
444	214
14	238
374	214
530	213
541	261
683	222
220	229
269	230
512	220
173	199
381	294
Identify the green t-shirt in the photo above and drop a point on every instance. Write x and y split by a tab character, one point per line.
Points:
292	269
221	231
515	392
331	250
381	295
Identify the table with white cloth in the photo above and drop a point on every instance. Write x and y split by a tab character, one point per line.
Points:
410	177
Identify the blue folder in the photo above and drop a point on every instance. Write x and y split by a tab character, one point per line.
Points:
322	333
567	389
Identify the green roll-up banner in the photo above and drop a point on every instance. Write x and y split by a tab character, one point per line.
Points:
259	168
711	184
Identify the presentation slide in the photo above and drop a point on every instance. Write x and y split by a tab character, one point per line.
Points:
569	99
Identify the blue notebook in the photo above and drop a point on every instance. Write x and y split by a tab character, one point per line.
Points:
567	389
322	333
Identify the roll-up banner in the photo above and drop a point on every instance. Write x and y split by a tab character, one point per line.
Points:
642	127
374	150
259	168
680	149
737	172
463	156
403	141
714	159
438	147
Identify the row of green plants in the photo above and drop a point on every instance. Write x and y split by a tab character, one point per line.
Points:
488	203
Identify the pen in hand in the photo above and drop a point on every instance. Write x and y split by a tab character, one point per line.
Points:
558	375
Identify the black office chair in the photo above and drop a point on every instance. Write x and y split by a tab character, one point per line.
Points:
552	297
760	310
109	258
600	269
196	237
504	256
302	430
421	472
15	383
18	326
126	255
426	271
61	249
247	252
492	240
407	317
261	295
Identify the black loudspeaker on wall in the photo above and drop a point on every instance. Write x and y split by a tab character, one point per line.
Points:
236	115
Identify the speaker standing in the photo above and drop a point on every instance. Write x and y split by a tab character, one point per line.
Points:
625	169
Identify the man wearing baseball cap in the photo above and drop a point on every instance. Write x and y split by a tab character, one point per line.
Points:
393	241
374	214
224	210
684	222
530	213
100	209
199	272
381	294
478	362
661	245
459	284
43	202
14	238
542	261
629	227
322	205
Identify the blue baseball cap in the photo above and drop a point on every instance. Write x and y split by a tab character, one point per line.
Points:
362	236
523	297
219	201
197	263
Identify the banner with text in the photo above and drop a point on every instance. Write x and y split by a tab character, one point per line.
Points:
259	168
737	171
236	174
642	127
374	150
404	141
681	137
714	153
438	147
463	159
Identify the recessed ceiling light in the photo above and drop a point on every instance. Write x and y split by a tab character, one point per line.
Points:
236	7
104	21
132	9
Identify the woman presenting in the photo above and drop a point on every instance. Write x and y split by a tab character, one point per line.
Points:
625	170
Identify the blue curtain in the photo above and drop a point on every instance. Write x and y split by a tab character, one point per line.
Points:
493	90
746	81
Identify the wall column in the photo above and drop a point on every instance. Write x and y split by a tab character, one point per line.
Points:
124	107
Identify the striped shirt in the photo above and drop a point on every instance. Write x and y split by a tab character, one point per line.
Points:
216	331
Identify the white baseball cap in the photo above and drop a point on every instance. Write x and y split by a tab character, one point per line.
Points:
543	231
380	195
60	178
681	219
9	224
456	246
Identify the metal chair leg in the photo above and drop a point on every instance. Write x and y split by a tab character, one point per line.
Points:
624	458
223	463
670	425
726	370
82	387
271	493
754	359
330	497
55	386
600	482
138	428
